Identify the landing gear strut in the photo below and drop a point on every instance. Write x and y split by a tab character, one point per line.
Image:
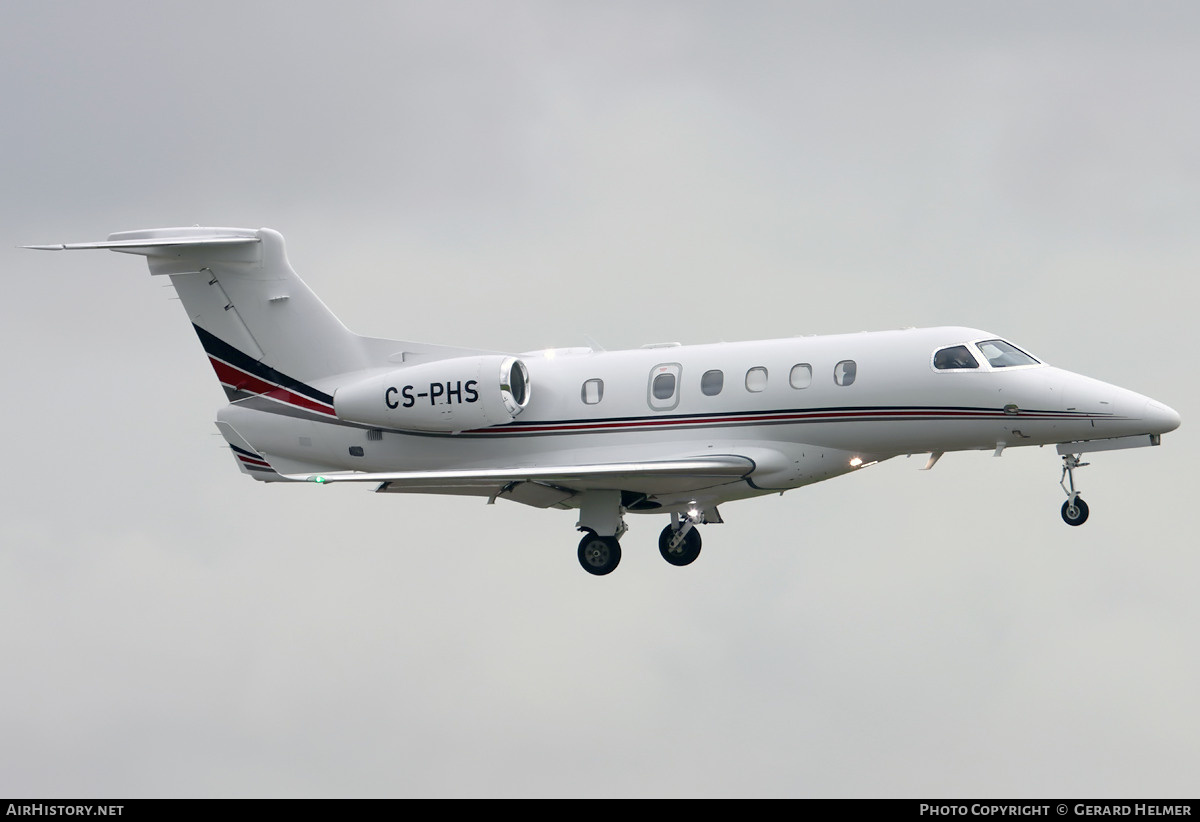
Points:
679	543
1074	510
601	520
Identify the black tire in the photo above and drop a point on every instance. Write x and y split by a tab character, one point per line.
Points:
599	555
685	553
1076	515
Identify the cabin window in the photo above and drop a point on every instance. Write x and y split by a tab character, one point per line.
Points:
662	392
712	382
958	356
756	379
845	372
592	391
1004	355
801	376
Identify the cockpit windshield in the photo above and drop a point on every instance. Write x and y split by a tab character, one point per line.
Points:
958	356
1002	354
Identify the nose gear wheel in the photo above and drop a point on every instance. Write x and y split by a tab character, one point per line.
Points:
1075	514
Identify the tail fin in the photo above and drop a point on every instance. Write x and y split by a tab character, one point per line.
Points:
264	331
262	328
245	300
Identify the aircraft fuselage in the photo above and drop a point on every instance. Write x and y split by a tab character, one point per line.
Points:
784	402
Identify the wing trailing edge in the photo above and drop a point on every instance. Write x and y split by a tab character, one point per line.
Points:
718	469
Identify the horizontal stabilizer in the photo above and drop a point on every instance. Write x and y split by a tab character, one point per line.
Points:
131	241
130	244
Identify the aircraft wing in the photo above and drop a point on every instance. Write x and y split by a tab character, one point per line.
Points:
544	486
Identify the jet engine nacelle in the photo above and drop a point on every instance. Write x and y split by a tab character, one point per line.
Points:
448	395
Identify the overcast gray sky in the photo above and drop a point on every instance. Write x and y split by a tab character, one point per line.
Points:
523	174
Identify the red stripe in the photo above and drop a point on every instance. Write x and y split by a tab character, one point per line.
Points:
718	420
252	461
794	417
239	380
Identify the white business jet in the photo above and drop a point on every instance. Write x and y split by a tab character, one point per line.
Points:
666	429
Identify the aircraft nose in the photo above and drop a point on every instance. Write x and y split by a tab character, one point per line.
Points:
1162	418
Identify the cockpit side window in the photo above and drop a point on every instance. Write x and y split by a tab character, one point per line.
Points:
958	356
1002	354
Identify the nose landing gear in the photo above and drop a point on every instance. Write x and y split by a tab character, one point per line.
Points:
1074	510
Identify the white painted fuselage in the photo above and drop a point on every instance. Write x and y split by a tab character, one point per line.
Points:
779	403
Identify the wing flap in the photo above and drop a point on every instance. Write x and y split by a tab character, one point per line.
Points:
652	476
534	494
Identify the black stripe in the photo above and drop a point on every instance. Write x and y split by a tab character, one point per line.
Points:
844	409
216	347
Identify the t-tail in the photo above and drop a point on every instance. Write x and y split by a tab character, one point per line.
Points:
266	334
261	327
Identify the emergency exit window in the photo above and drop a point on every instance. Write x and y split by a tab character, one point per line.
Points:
593	391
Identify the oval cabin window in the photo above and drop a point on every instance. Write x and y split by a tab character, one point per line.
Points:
711	383
756	379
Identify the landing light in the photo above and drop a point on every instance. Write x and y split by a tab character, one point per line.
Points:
855	462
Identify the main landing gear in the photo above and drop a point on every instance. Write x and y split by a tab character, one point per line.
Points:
678	543
599	555
603	525
1074	510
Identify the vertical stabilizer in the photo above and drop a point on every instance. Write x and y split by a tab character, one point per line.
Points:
241	293
264	331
